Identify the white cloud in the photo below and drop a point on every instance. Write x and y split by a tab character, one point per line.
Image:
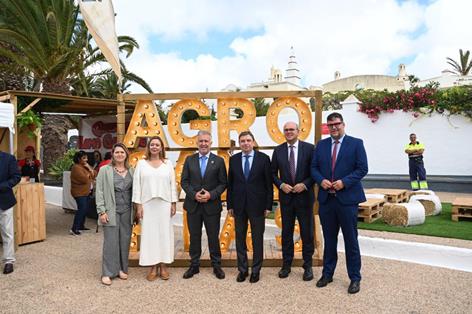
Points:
448	31
354	37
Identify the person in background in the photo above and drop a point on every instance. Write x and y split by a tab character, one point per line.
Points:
155	196
97	159
9	177
415	151
113	197
29	166
81	179
105	161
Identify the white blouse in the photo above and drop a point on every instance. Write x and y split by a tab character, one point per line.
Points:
150	182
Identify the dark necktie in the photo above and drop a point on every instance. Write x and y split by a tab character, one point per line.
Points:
246	167
291	164
333	159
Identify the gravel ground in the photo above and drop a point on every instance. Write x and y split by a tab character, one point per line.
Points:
62	274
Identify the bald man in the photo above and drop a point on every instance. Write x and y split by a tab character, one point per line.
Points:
291	171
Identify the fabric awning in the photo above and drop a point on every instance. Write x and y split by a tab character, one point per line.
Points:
7	116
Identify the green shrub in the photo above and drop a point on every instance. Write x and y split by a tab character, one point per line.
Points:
63	164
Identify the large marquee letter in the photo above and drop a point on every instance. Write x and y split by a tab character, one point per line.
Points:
303	112
175	117
225	124
144	123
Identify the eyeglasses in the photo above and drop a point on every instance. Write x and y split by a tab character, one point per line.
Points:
289	130
334	125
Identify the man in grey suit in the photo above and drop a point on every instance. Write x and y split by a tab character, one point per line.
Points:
204	179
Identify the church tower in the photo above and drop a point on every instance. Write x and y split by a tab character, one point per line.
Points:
292	74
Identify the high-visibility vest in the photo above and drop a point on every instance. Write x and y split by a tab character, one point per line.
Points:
416	146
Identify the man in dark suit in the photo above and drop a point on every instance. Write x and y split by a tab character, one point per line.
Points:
250	196
339	164
291	170
204	180
9	177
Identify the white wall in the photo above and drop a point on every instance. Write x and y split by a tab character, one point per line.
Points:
447	140
448	148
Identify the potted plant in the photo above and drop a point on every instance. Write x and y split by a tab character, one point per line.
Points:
62	164
29	121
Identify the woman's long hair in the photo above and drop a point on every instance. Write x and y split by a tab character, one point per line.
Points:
162	153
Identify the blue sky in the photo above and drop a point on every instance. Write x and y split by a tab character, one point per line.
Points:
209	44
215	43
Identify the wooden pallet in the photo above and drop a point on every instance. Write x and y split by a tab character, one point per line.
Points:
370	218
272	256
369	206
392	195
461	208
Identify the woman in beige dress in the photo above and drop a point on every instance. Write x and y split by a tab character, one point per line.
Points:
155	196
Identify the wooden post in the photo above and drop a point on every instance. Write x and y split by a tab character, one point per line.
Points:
120	119
318	238
14	101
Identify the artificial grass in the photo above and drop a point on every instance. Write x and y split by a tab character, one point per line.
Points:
437	226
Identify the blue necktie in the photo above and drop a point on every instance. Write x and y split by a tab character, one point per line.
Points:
246	167
203	165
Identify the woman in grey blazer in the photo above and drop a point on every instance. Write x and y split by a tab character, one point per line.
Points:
115	210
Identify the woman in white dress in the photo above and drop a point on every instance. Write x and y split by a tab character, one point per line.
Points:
155	196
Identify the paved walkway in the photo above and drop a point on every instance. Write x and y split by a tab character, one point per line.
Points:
61	275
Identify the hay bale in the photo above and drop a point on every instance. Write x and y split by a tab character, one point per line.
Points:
431	202
403	214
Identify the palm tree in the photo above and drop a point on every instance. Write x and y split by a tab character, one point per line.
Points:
104	84
49	37
463	66
261	106
12	75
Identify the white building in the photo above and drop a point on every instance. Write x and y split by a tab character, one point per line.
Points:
278	82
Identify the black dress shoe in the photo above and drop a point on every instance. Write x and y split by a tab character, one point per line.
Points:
254	278
84	229
354	287
242	276
74	232
219	273
308	274
323	282
283	273
8	268
191	271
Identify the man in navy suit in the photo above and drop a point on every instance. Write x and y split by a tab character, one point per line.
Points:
9	177
291	170
339	163
249	198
